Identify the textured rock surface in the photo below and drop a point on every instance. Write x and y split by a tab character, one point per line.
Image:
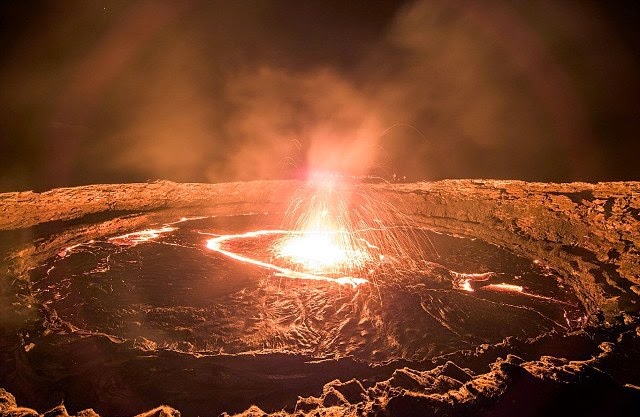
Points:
23	209
588	231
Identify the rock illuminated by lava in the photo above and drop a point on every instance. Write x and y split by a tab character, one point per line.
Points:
131	316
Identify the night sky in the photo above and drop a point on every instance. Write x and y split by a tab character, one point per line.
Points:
212	91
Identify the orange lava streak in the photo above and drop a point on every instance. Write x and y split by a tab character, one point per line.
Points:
134	238
511	288
503	287
214	244
462	281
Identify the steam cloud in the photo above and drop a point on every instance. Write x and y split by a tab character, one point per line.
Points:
217	92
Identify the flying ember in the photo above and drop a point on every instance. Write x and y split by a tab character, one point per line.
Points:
331	231
324	239
321	250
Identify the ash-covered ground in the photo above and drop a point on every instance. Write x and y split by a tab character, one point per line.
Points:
97	317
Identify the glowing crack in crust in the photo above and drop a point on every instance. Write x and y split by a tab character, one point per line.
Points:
215	245
135	238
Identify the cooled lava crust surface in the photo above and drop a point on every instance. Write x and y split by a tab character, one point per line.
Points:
527	302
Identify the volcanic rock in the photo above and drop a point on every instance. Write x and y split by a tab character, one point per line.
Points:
352	391
589	232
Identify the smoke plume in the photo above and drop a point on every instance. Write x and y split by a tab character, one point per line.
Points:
221	91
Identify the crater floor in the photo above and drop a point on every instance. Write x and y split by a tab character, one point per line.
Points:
123	311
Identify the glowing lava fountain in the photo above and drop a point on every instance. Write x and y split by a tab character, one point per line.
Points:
335	231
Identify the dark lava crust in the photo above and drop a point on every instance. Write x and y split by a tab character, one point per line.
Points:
588	232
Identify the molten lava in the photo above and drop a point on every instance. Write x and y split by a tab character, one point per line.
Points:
135	238
323	241
319	240
217	244
321	251
334	231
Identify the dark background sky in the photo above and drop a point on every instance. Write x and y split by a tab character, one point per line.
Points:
120	91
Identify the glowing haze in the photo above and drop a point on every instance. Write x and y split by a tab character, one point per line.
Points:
222	91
